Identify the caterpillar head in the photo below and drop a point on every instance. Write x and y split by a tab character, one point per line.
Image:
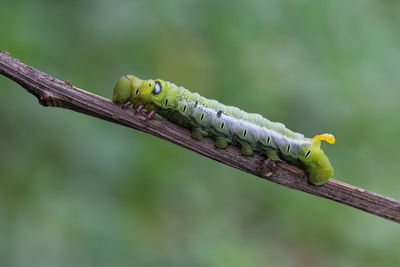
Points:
316	162
122	90
131	88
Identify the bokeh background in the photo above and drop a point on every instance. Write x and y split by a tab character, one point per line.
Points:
78	191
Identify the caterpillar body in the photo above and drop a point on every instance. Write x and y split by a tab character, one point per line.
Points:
226	124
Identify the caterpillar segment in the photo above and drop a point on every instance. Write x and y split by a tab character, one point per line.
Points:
225	124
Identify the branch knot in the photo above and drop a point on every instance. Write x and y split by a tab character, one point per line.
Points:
48	100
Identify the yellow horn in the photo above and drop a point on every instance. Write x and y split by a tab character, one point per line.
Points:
326	137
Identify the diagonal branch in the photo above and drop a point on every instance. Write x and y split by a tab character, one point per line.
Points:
55	93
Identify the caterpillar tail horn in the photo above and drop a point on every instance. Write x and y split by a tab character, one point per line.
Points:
325	137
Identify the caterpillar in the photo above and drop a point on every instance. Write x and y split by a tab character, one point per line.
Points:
225	124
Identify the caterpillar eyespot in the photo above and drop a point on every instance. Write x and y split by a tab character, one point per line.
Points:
157	88
251	132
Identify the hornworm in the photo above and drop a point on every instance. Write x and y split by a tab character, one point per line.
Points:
225	124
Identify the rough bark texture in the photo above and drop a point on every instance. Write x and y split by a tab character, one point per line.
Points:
55	93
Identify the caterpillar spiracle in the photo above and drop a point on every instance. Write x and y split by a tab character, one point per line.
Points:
225	124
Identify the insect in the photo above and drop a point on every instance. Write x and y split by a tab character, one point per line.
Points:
225	124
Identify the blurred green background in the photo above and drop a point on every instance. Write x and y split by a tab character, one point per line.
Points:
78	191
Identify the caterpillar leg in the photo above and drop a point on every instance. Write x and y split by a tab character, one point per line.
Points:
126	105
246	150
138	109
272	154
272	157
197	134
150	115
220	142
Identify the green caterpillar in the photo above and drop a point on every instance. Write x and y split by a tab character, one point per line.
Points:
225	124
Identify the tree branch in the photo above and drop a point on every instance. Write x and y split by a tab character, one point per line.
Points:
55	93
